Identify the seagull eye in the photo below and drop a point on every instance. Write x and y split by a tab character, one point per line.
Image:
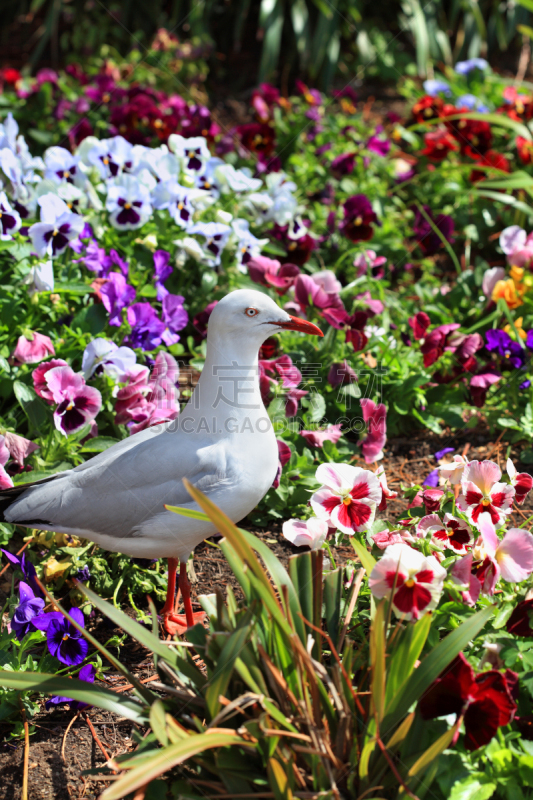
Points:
251	312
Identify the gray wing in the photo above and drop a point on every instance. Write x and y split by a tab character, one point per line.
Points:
117	491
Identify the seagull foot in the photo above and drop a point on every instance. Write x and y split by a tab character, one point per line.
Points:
176	624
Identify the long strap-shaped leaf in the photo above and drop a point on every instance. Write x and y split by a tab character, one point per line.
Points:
143	635
167	758
432	666
78	690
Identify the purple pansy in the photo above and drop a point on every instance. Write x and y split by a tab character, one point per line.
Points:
216	236
175	318
162	271
427	239
26	567
432	479
111	157
61	166
87	674
444	452
379	146
359	218
116	295
28	608
66	642
147	329
500	342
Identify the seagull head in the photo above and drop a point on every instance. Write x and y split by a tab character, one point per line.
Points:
254	315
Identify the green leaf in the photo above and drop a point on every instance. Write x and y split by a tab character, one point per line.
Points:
188	512
377	660
367	559
91	319
31	404
406	653
72	288
98	444
472	789
169	757
219	680
317	407
78	690
433	664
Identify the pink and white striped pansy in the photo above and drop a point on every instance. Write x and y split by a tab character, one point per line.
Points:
449	533
412	581
522	482
311	532
348	497
482	492
511	558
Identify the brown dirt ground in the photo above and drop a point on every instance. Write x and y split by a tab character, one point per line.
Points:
51	778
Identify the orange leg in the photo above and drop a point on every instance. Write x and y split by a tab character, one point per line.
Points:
173	622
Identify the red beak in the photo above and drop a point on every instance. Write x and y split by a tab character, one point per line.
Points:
297	324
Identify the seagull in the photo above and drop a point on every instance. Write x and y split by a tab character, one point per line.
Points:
222	442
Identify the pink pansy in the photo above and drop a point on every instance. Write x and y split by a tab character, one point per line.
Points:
419	324
375	416
432	499
317	438
387	494
490	279
311	532
292	398
31	348
522	482
269	272
147	399
481	383
39	375
367	260
461	574
77	403
453	471
19	447
490	558
386	538
375	306
5	480
450	533
348	497
284	454
482	492
411	580
512	238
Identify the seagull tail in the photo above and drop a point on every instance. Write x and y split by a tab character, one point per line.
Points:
9	496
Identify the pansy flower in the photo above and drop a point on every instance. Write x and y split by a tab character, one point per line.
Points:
412	581
387	493
162	271
61	166
111	157
359	218
438	144
194	151
310	532
451	533
104	356
174	317
9	219
512	353
424	234
77	403
482	492
522	482
31	348
375	417
86	674
216	235
348	497
146	327
128	203
65	642
248	245
116	294
484	700
28	608
58	226
176	199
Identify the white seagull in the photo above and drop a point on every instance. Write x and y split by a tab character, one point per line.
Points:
222	442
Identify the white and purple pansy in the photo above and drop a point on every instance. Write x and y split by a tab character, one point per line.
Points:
102	355
216	235
176	199
128	202
57	228
61	166
194	152
248	245
111	157
9	219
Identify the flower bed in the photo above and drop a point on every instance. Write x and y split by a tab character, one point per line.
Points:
407	241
